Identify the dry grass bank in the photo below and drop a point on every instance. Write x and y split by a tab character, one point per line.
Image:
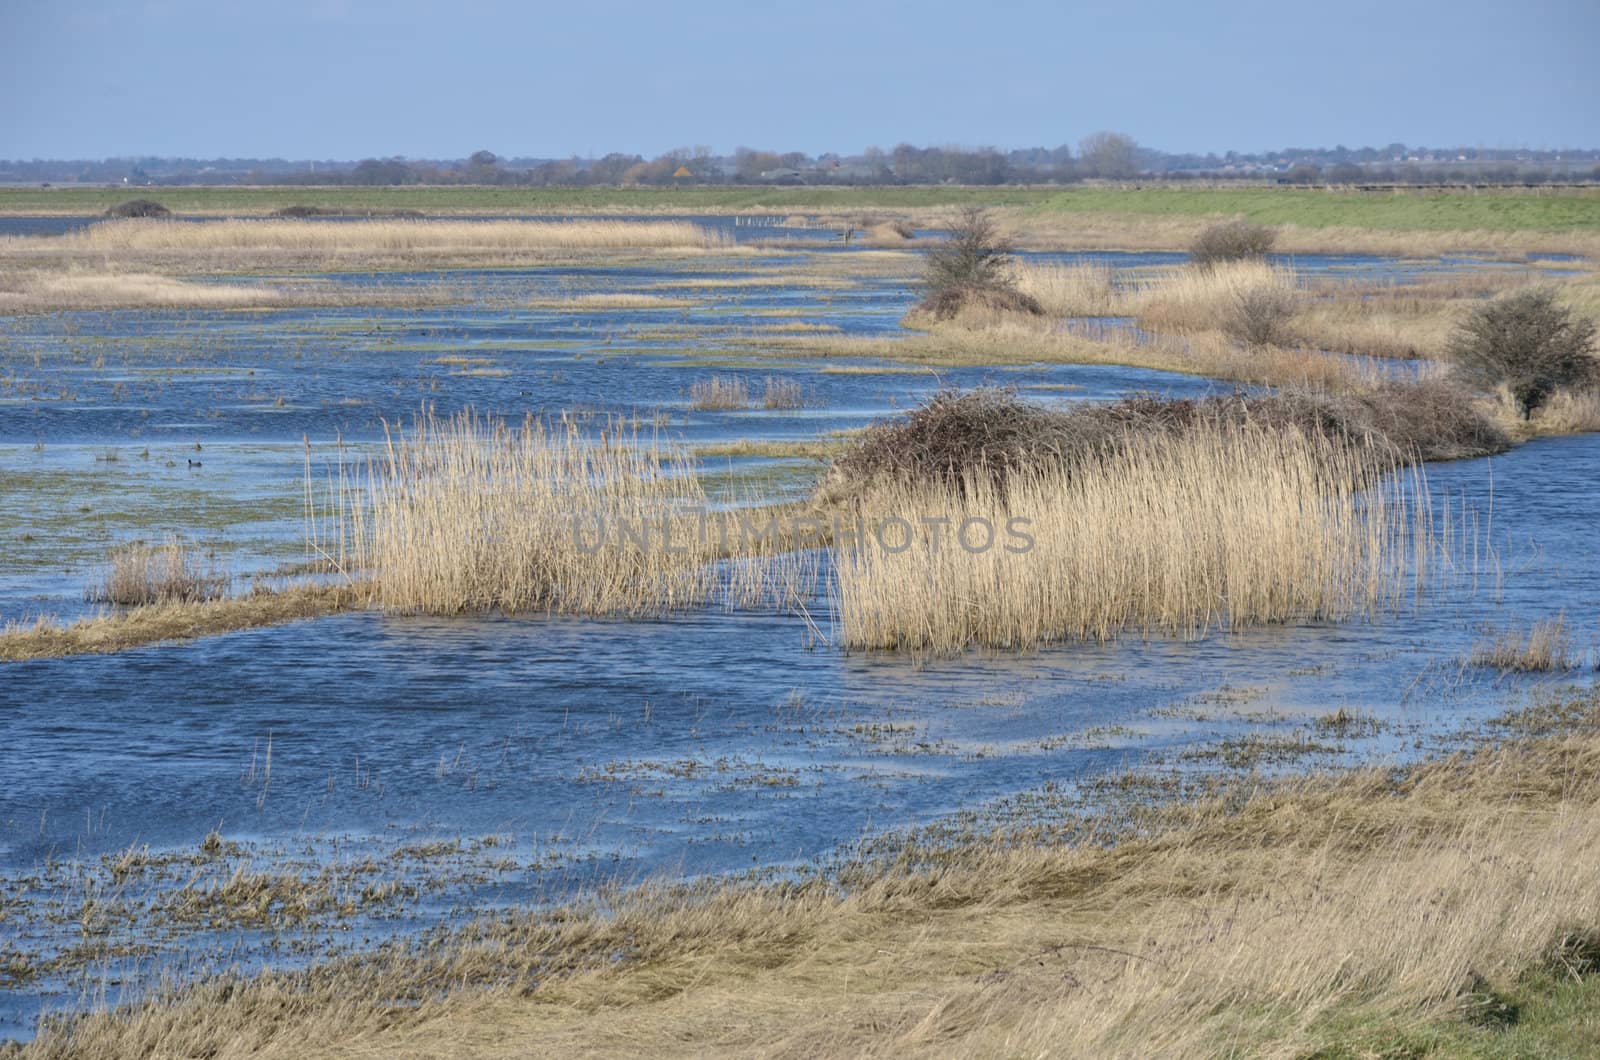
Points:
1374	913
1174	534
174	620
42	291
225	245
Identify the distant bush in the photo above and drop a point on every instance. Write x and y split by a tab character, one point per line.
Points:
1530	344
1260	316
972	268
1236	240
139	208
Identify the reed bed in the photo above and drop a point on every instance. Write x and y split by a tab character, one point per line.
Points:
781	393
719	392
1545	648
468	514
1191	299
140	574
1219	526
1566	412
1068	290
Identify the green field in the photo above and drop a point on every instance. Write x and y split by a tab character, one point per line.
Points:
1498	210
1421	210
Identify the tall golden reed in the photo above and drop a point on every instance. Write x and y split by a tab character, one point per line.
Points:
469	514
1177	535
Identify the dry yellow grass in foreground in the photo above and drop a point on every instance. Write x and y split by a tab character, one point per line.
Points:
1172	534
1355	914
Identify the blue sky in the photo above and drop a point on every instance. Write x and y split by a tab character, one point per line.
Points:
355	78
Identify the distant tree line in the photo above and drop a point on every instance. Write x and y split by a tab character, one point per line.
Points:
1100	156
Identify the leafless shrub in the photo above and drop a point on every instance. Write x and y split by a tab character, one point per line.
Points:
989	432
951	302
1531	344
1236	240
1260	316
973	268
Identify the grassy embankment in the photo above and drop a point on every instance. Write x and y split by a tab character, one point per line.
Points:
1499	209
1403	221
1440	910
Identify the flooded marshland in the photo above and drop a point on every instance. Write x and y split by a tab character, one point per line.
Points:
277	794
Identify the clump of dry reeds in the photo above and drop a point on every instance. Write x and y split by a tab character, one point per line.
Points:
1176	533
139	574
468	514
1566	411
719	392
1068	290
1224	297
1545	648
113	290
782	393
